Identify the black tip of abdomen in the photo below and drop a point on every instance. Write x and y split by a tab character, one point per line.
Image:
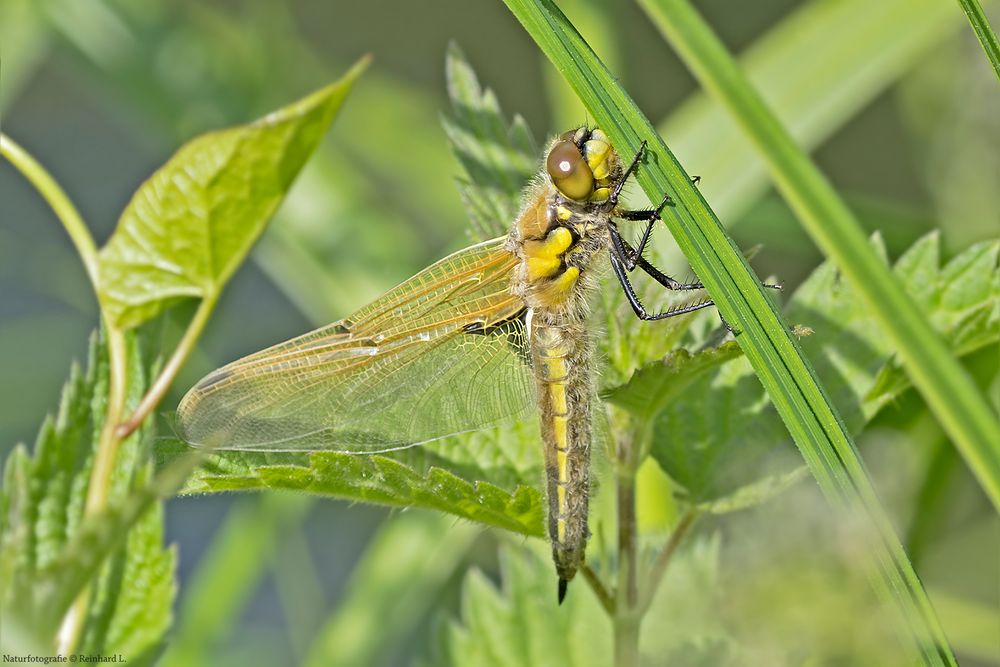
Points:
563	583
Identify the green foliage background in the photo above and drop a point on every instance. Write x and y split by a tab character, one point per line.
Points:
900	110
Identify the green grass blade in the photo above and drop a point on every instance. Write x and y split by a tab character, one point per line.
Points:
984	31
936	373
817	68
766	340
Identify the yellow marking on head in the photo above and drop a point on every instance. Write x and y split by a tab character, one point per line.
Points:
557	395
600	194
559	430
597	152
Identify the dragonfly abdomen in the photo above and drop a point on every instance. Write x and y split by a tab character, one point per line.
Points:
562	361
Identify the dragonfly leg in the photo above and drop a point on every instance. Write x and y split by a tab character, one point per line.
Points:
631	258
613	199
650	216
633	298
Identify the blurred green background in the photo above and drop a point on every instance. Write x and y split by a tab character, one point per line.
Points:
102	92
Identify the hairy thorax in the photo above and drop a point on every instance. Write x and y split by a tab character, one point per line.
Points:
557	241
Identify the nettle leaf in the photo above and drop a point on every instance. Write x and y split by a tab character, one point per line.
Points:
720	433
755	493
499	159
521	623
492	477
188	227
652	387
35	498
44	566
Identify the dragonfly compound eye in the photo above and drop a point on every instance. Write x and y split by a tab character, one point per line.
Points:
569	172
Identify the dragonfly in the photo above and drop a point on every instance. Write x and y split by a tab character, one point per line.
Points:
484	336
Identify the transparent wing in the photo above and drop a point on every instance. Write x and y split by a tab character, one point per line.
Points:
442	353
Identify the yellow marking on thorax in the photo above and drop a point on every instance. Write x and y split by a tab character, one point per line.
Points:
556	291
545	257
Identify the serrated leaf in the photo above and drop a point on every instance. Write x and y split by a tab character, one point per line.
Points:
188	227
522	624
492	476
498	158
755	493
37	491
380	479
653	386
49	552
98	536
718	434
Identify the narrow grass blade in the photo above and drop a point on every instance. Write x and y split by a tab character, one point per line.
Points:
936	373
984	31
765	338
817	68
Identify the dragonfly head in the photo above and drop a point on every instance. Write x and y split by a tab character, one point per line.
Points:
583	165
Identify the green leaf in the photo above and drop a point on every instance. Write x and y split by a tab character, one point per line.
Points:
190	225
717	435
498	158
47	554
948	389
469	488
521	624
755	493
655	385
58	585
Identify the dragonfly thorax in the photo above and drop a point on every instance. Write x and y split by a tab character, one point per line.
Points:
564	223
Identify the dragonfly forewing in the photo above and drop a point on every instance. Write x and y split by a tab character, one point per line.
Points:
442	353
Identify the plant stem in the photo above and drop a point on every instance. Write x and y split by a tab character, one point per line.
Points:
100	477
107	446
162	383
663	560
604	596
57	200
108	442
627	616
